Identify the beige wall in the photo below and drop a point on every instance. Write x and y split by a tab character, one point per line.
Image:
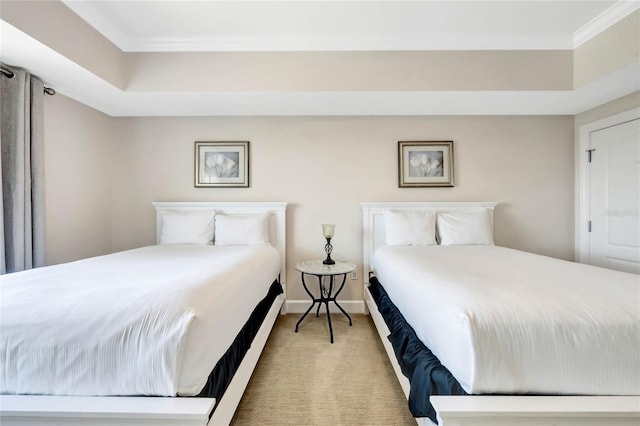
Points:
325	166
611	108
78	151
103	173
612	49
352	71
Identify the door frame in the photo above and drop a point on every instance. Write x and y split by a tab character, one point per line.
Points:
582	178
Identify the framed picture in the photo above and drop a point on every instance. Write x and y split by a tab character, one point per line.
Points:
425	164
222	165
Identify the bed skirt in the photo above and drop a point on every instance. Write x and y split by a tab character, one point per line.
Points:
227	366
427	376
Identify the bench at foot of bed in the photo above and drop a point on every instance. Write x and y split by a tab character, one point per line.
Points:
480	410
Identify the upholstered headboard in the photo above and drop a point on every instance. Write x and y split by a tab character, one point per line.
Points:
373	222
275	210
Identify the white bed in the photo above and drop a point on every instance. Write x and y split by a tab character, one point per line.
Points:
182	304
468	309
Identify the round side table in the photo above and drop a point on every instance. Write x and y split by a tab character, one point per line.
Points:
320	270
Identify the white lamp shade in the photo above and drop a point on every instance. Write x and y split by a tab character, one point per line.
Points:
328	230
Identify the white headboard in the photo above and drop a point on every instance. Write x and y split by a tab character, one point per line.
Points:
373	222
275	210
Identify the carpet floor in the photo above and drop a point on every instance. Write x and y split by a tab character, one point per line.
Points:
303	379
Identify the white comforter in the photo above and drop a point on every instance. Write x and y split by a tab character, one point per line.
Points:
149	321
506	321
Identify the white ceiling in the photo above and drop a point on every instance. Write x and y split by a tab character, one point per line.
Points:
338	25
329	25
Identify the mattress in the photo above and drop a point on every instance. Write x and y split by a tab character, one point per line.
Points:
507	321
148	321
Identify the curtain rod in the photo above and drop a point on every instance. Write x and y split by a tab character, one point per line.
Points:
10	74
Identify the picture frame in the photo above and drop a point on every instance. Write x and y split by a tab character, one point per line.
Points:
221	164
424	164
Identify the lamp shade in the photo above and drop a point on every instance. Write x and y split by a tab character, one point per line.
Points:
328	230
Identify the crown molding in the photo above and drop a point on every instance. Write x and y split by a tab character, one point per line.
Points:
338	44
609	17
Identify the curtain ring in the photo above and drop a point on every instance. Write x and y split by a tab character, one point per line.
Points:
7	72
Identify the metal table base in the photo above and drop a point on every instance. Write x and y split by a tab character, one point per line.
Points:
325	297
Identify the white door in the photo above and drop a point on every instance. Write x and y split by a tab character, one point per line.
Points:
614	197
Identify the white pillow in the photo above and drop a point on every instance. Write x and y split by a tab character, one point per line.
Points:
410	228
241	230
187	228
465	228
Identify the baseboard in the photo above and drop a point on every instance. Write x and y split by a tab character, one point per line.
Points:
300	306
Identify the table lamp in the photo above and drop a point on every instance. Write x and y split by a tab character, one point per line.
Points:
328	231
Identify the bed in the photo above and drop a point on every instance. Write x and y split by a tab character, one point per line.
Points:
472	312
164	334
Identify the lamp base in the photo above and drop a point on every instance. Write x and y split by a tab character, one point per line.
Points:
328	248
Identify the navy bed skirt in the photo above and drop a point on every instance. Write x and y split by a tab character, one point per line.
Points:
227	366
427	376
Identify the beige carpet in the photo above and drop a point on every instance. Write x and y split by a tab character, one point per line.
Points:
302	379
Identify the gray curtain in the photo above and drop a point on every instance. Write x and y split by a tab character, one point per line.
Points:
22	165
